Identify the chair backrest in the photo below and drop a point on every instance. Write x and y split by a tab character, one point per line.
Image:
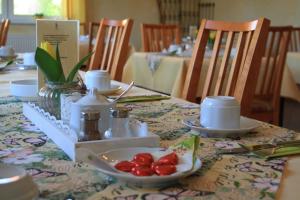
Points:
91	31
83	28
4	31
295	40
111	47
156	37
248	38
272	64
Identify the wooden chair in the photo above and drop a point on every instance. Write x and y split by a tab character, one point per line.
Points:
249	40
4	31
92	31
156	37
266	102
295	40
83	28
111	48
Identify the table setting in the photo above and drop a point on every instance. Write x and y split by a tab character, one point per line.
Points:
242	175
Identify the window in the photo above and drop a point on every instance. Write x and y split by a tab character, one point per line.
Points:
21	11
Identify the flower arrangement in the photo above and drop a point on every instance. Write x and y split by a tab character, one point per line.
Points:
211	38
51	66
38	15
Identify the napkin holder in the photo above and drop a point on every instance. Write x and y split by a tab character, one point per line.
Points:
64	137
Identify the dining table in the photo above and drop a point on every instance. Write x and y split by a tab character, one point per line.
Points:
166	73
23	144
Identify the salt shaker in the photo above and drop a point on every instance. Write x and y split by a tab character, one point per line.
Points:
119	123
89	126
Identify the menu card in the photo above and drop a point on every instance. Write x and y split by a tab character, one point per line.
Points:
65	33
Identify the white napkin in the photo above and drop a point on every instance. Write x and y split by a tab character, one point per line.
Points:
153	62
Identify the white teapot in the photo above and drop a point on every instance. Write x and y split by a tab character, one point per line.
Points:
95	103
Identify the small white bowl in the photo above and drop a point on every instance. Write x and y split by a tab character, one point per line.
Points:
16	184
24	88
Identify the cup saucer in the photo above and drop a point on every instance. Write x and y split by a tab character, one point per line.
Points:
111	90
246	125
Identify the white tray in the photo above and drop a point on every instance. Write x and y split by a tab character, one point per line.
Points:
67	140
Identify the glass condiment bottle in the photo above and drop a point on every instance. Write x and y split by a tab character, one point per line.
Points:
119	123
89	126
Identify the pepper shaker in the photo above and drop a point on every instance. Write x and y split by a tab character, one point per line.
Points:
89	126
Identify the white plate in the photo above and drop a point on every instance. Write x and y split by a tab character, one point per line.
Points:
113	89
8	57
26	89
246	125
3	65
24	67
114	156
15	183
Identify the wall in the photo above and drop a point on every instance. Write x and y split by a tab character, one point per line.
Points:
22	29
280	12
139	10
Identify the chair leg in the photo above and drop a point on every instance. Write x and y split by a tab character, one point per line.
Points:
281	112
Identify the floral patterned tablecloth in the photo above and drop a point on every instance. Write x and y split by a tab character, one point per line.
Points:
221	177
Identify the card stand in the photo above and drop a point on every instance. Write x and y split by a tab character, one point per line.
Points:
63	136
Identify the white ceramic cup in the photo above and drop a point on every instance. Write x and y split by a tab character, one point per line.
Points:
7	51
220	112
99	79
173	47
28	59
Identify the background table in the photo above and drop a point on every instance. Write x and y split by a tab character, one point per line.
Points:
59	178
170	73
293	63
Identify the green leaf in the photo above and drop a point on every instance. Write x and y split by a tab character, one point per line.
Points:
62	77
77	67
142	98
237	184
9	62
271	195
285	151
48	65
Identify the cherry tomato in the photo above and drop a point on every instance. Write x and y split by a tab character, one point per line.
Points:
142	171
163	170
154	164
170	159
125	166
144	158
140	163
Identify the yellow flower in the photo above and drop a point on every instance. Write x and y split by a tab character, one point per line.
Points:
49	48
212	35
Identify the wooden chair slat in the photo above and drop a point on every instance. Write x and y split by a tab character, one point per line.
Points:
274	63
113	46
107	40
268	56
233	74
225	60
4	31
212	64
